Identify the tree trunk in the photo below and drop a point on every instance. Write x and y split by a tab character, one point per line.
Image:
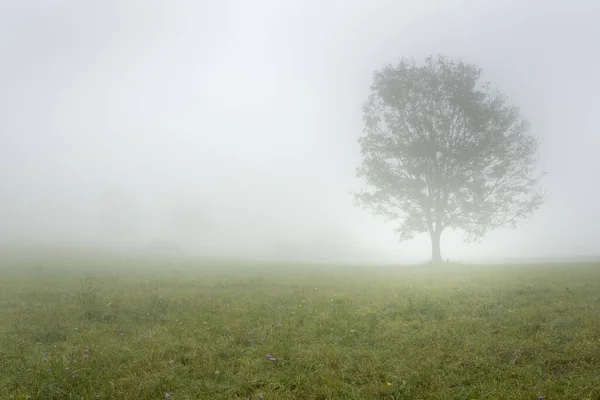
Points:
436	249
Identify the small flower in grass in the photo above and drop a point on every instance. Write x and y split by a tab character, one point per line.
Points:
44	359
389	383
86	356
466	363
270	357
68	358
67	369
260	396
217	372
517	351
122	334
48	370
75	376
262	340
541	397
86	349
167	395
278	324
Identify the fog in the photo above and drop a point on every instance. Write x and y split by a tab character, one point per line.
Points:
230	128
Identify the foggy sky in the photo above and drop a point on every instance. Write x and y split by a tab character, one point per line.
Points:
231	127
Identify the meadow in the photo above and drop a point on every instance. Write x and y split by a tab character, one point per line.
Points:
127	329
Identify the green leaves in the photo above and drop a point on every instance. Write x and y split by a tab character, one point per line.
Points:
441	150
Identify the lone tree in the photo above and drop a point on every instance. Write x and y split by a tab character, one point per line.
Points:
442	151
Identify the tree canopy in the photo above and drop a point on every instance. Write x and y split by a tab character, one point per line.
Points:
440	150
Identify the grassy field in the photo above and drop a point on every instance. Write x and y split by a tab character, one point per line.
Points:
128	330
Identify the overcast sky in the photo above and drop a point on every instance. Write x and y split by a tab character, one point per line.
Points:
232	126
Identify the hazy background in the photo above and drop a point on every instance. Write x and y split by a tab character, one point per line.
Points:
230	127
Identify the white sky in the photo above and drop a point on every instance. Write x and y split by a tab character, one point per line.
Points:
232	126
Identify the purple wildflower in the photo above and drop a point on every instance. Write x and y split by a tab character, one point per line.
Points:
541	397
278	324
85	356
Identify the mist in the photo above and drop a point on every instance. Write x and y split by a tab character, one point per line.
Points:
230	128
